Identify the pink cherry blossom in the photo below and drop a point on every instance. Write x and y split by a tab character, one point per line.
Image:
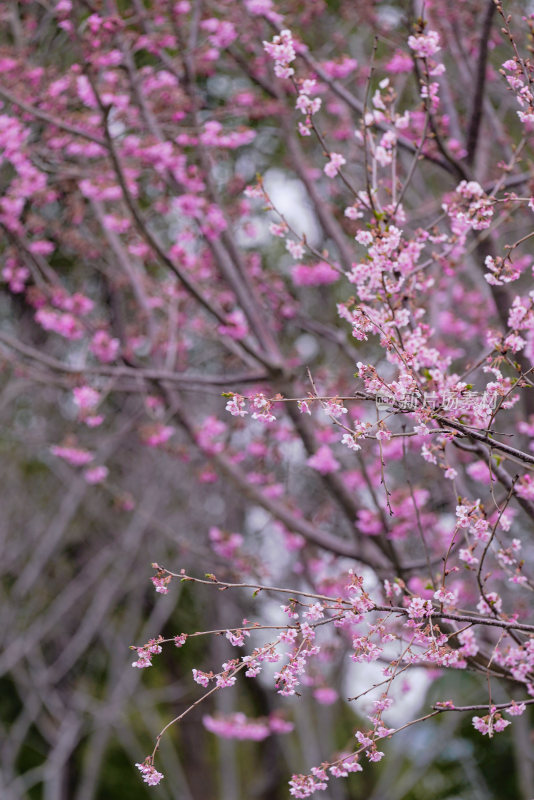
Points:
104	347
336	161
96	474
323	461
76	456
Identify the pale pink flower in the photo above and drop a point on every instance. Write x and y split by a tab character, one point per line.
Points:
466	555
336	161
144	657
150	773
446	597
418	607
304	130
375	755
202	678
468	642
282	51
308	106
515	709
237	638
237	406
481	724
383	434
425	44
364	740
493	600
314	612
349	441
224	680
161	583
296	249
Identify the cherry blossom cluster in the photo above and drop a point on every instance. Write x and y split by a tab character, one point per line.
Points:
519	77
424	642
282	51
149	773
238	726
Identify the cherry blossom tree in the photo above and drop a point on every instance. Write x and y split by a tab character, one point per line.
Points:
268	292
